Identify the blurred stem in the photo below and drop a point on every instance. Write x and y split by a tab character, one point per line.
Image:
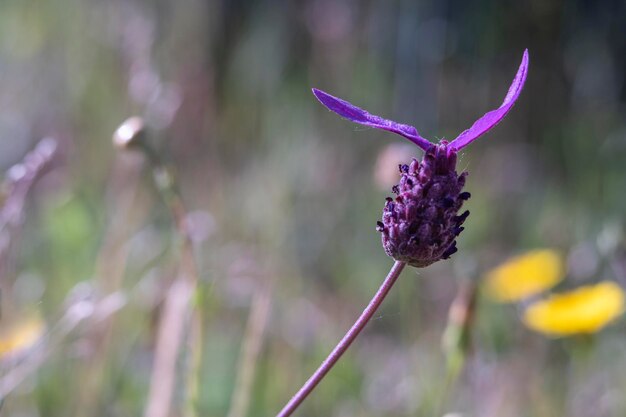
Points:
345	343
109	276
194	344
171	331
159	400
248	358
52	341
457	335
14	190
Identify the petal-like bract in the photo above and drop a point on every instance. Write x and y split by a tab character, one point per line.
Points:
489	120
358	115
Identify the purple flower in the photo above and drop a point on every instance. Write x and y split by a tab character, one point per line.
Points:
419	226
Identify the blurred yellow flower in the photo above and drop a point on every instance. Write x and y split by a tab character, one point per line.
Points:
20	335
584	310
525	275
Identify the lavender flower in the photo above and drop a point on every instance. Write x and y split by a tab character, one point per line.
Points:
420	225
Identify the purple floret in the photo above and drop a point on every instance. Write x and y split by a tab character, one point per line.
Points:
421	224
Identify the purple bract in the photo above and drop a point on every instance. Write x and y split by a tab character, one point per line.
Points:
420	225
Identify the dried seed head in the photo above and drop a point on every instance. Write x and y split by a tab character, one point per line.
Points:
420	225
129	133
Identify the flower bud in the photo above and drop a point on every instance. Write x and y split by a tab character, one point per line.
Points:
129	133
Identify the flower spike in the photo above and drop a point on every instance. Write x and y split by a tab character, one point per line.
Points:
419	226
492	118
358	115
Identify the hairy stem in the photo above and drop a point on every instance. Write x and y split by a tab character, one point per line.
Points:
345	343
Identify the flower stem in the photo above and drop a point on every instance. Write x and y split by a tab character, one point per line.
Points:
175	323
345	343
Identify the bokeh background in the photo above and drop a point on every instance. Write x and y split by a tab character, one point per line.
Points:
283	198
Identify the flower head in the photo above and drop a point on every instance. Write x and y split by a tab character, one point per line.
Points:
129	133
584	310
419	227
525	275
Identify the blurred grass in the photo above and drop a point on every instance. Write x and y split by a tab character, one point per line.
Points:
288	194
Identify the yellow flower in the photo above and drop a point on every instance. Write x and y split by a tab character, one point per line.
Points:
525	275
584	310
21	335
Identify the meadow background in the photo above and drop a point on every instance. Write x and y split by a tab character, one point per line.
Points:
283	199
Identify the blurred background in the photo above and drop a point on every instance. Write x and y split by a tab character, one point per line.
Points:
282	199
